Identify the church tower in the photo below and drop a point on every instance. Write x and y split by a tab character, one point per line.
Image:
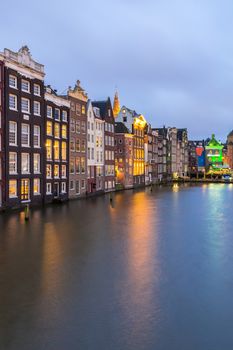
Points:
116	105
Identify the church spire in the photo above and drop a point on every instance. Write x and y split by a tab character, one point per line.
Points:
116	105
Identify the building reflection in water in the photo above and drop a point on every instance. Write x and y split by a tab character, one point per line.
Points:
142	269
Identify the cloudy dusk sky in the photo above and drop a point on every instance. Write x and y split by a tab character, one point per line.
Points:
170	60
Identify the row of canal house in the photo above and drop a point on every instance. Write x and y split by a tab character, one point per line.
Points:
52	147
57	147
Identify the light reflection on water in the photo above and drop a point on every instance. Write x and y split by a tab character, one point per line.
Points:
152	270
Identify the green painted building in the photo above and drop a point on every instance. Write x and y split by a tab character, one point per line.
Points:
214	154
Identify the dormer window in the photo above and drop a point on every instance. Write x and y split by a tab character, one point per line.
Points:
25	86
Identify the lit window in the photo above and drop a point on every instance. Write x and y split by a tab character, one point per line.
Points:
36	165
63	150
13	102
72	166
56	171
25	105
64	131
63	171
36	187
13	133
57	130
36	89
57	114
56	150
83	109
48	171
64	116
25	163
36	106
12	188
25	189
49	128
25	133
49	112
25	86
36	136
49	149
13	163
13	81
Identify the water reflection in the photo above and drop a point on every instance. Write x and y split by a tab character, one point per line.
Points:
148	272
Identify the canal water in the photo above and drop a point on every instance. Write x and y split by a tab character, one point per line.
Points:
153	271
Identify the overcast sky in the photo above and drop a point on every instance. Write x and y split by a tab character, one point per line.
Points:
171	60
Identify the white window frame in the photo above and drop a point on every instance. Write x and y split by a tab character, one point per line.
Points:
15	102
36	157
50	115
34	89
15	162
11	122
36	193
27	158
64	116
14	86
28	135
34	109
27	111
63	187
24	81
48	188
36	127
16	192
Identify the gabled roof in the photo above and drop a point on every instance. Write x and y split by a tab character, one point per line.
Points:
120	128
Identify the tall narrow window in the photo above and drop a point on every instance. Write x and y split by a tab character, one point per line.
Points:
49	128
12	133
64	116
49	149
56	150
49	112
63	171
13	102
25	163
83	165
36	136
57	114
25	135
36	159
36	89
25	105
13	81
63	150
36	187
64	131
56	171
36	108
57	130
25	86
13	163
77	165
48	171
12	188
25	189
